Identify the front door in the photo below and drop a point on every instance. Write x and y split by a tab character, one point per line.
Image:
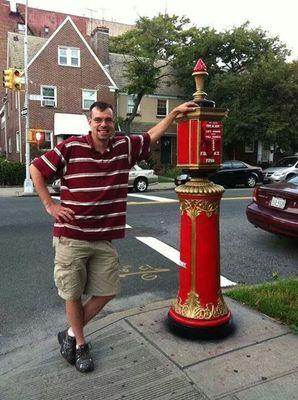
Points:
166	151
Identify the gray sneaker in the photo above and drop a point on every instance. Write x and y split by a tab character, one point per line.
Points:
84	362
68	346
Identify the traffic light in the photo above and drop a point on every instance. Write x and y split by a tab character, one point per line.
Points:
8	78
13	79
36	136
18	80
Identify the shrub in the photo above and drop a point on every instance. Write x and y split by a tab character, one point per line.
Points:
172	172
12	173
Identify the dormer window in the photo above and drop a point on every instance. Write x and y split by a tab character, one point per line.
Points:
69	56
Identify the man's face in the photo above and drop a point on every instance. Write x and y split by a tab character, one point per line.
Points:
101	124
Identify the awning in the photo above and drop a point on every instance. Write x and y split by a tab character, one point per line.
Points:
70	124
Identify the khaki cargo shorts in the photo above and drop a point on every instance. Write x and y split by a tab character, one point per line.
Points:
85	267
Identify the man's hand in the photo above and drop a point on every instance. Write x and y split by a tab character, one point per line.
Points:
60	213
158	130
185	108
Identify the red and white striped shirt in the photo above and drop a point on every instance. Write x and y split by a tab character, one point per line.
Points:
93	185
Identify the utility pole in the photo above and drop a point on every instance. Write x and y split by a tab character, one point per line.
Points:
28	185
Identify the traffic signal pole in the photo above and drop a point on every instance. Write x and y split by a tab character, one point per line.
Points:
28	185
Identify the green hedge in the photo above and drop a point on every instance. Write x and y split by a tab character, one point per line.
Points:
12	173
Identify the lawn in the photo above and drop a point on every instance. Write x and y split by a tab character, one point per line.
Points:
278	299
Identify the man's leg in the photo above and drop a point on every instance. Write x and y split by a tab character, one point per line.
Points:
75	316
94	305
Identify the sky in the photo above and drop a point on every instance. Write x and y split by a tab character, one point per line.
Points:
278	18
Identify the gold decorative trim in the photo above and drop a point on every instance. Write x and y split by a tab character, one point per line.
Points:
200	186
193	309
194	208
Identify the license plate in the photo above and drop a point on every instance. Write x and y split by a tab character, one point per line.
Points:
278	202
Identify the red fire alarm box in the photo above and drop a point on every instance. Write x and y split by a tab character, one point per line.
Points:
199	142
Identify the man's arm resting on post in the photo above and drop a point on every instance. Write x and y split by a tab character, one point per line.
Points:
158	130
60	213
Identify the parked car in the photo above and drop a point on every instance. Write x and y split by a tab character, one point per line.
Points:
275	208
286	168
138	179
230	174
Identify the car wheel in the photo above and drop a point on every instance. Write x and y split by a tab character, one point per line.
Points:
290	176
140	185
251	181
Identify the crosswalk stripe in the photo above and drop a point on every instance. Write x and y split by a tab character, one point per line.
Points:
155	198
174	255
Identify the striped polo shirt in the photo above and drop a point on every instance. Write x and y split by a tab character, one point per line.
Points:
93	185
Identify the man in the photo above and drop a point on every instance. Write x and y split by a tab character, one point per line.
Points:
94	178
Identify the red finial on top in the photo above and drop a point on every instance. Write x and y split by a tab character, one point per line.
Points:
200	66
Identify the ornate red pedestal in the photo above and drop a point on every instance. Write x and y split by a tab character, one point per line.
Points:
200	309
199	305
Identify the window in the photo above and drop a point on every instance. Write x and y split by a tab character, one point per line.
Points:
238	164
131	104
21	28
49	96
9	145
69	56
88	98
17	142
249	147
162	107
48	143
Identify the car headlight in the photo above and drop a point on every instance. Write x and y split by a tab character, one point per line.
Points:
279	173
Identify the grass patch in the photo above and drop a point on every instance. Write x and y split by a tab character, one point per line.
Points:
278	300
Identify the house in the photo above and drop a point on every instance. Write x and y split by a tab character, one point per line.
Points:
43	23
65	78
151	110
66	75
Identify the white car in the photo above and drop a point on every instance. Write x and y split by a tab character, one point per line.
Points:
286	168
138	179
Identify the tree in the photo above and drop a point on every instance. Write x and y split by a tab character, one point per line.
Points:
149	51
249	75
233	51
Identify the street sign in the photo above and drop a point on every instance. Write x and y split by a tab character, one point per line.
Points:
35	97
24	112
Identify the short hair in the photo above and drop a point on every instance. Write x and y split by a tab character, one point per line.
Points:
101	105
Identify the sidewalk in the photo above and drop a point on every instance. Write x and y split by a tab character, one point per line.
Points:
137	358
18	191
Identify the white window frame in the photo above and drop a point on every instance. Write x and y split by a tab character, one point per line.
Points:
44	98
130	104
21	28
48	135
249	147
83	99
167	107
69	57
17	141
9	145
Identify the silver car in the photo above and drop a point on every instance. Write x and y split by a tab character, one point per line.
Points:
138	178
286	168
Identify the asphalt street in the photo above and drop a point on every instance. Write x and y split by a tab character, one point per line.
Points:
30	308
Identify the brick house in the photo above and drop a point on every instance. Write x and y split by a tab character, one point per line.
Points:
43	23
65	77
